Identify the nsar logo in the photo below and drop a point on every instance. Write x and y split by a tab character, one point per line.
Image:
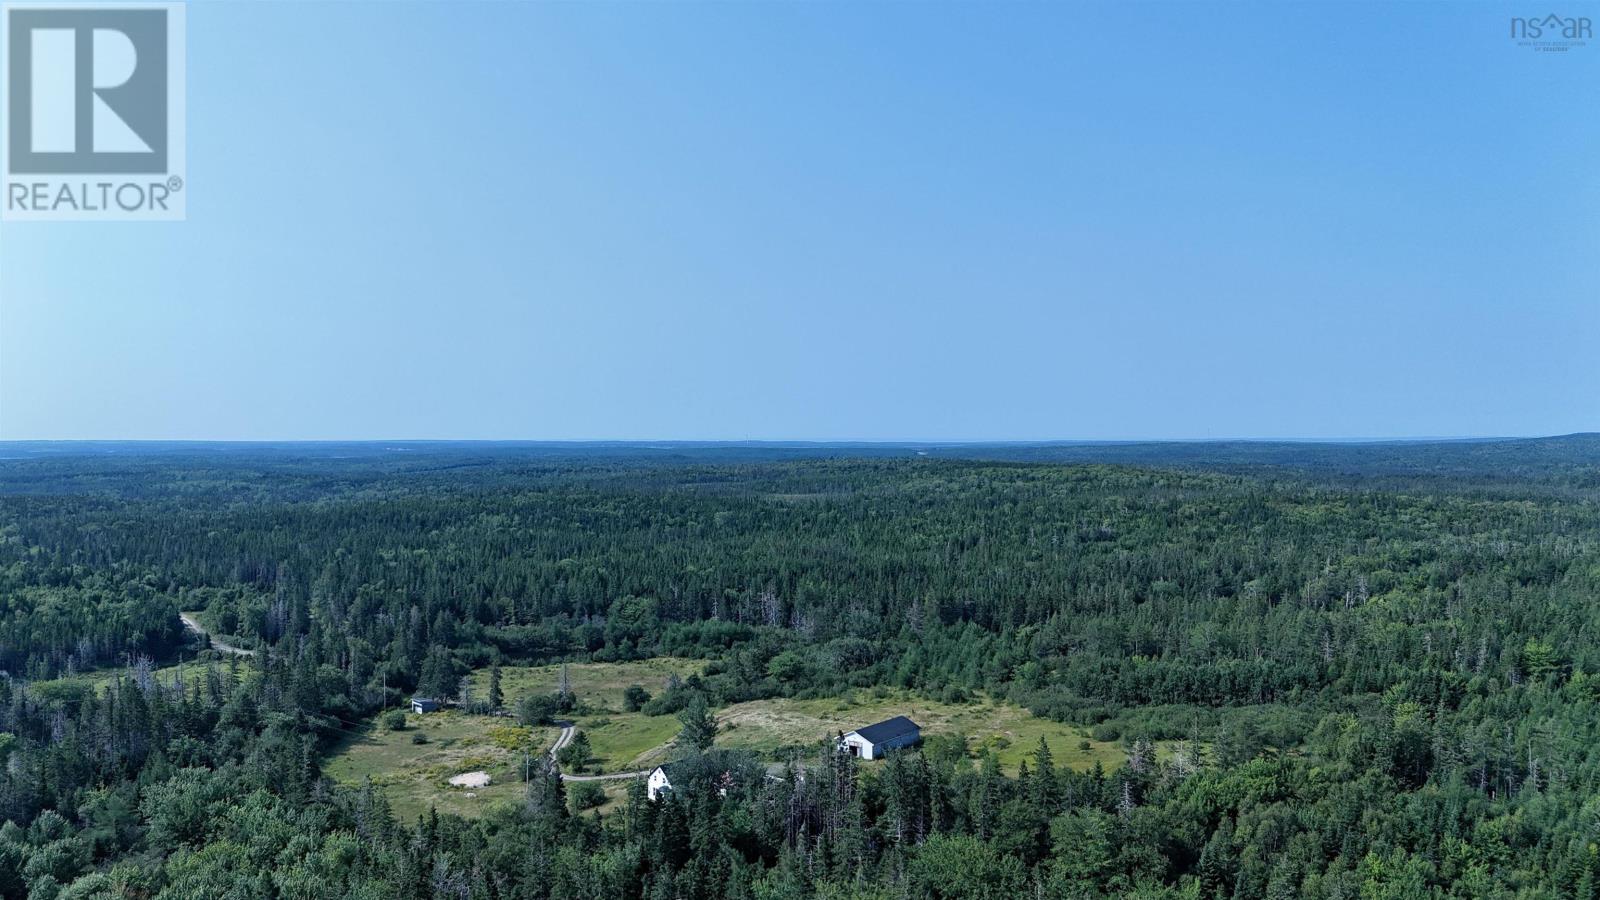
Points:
1552	33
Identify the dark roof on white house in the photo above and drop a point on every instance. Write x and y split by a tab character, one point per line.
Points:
717	761
888	729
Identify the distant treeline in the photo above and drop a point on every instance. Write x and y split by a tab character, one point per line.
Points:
1384	687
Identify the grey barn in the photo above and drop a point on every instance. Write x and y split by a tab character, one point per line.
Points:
873	741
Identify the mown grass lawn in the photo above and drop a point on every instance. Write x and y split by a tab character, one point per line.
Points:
630	742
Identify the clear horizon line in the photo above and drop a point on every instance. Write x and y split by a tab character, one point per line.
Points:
1368	439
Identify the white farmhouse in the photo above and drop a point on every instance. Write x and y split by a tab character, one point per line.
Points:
873	741
657	782
715	770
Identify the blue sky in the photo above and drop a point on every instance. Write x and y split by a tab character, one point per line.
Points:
838	221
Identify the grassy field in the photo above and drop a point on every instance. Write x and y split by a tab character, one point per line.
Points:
628	741
622	741
1010	732
596	684
415	776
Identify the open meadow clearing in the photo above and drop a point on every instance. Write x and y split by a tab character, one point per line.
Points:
621	741
628	741
415	776
1009	731
599	685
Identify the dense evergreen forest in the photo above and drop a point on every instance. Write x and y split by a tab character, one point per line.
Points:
1379	662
